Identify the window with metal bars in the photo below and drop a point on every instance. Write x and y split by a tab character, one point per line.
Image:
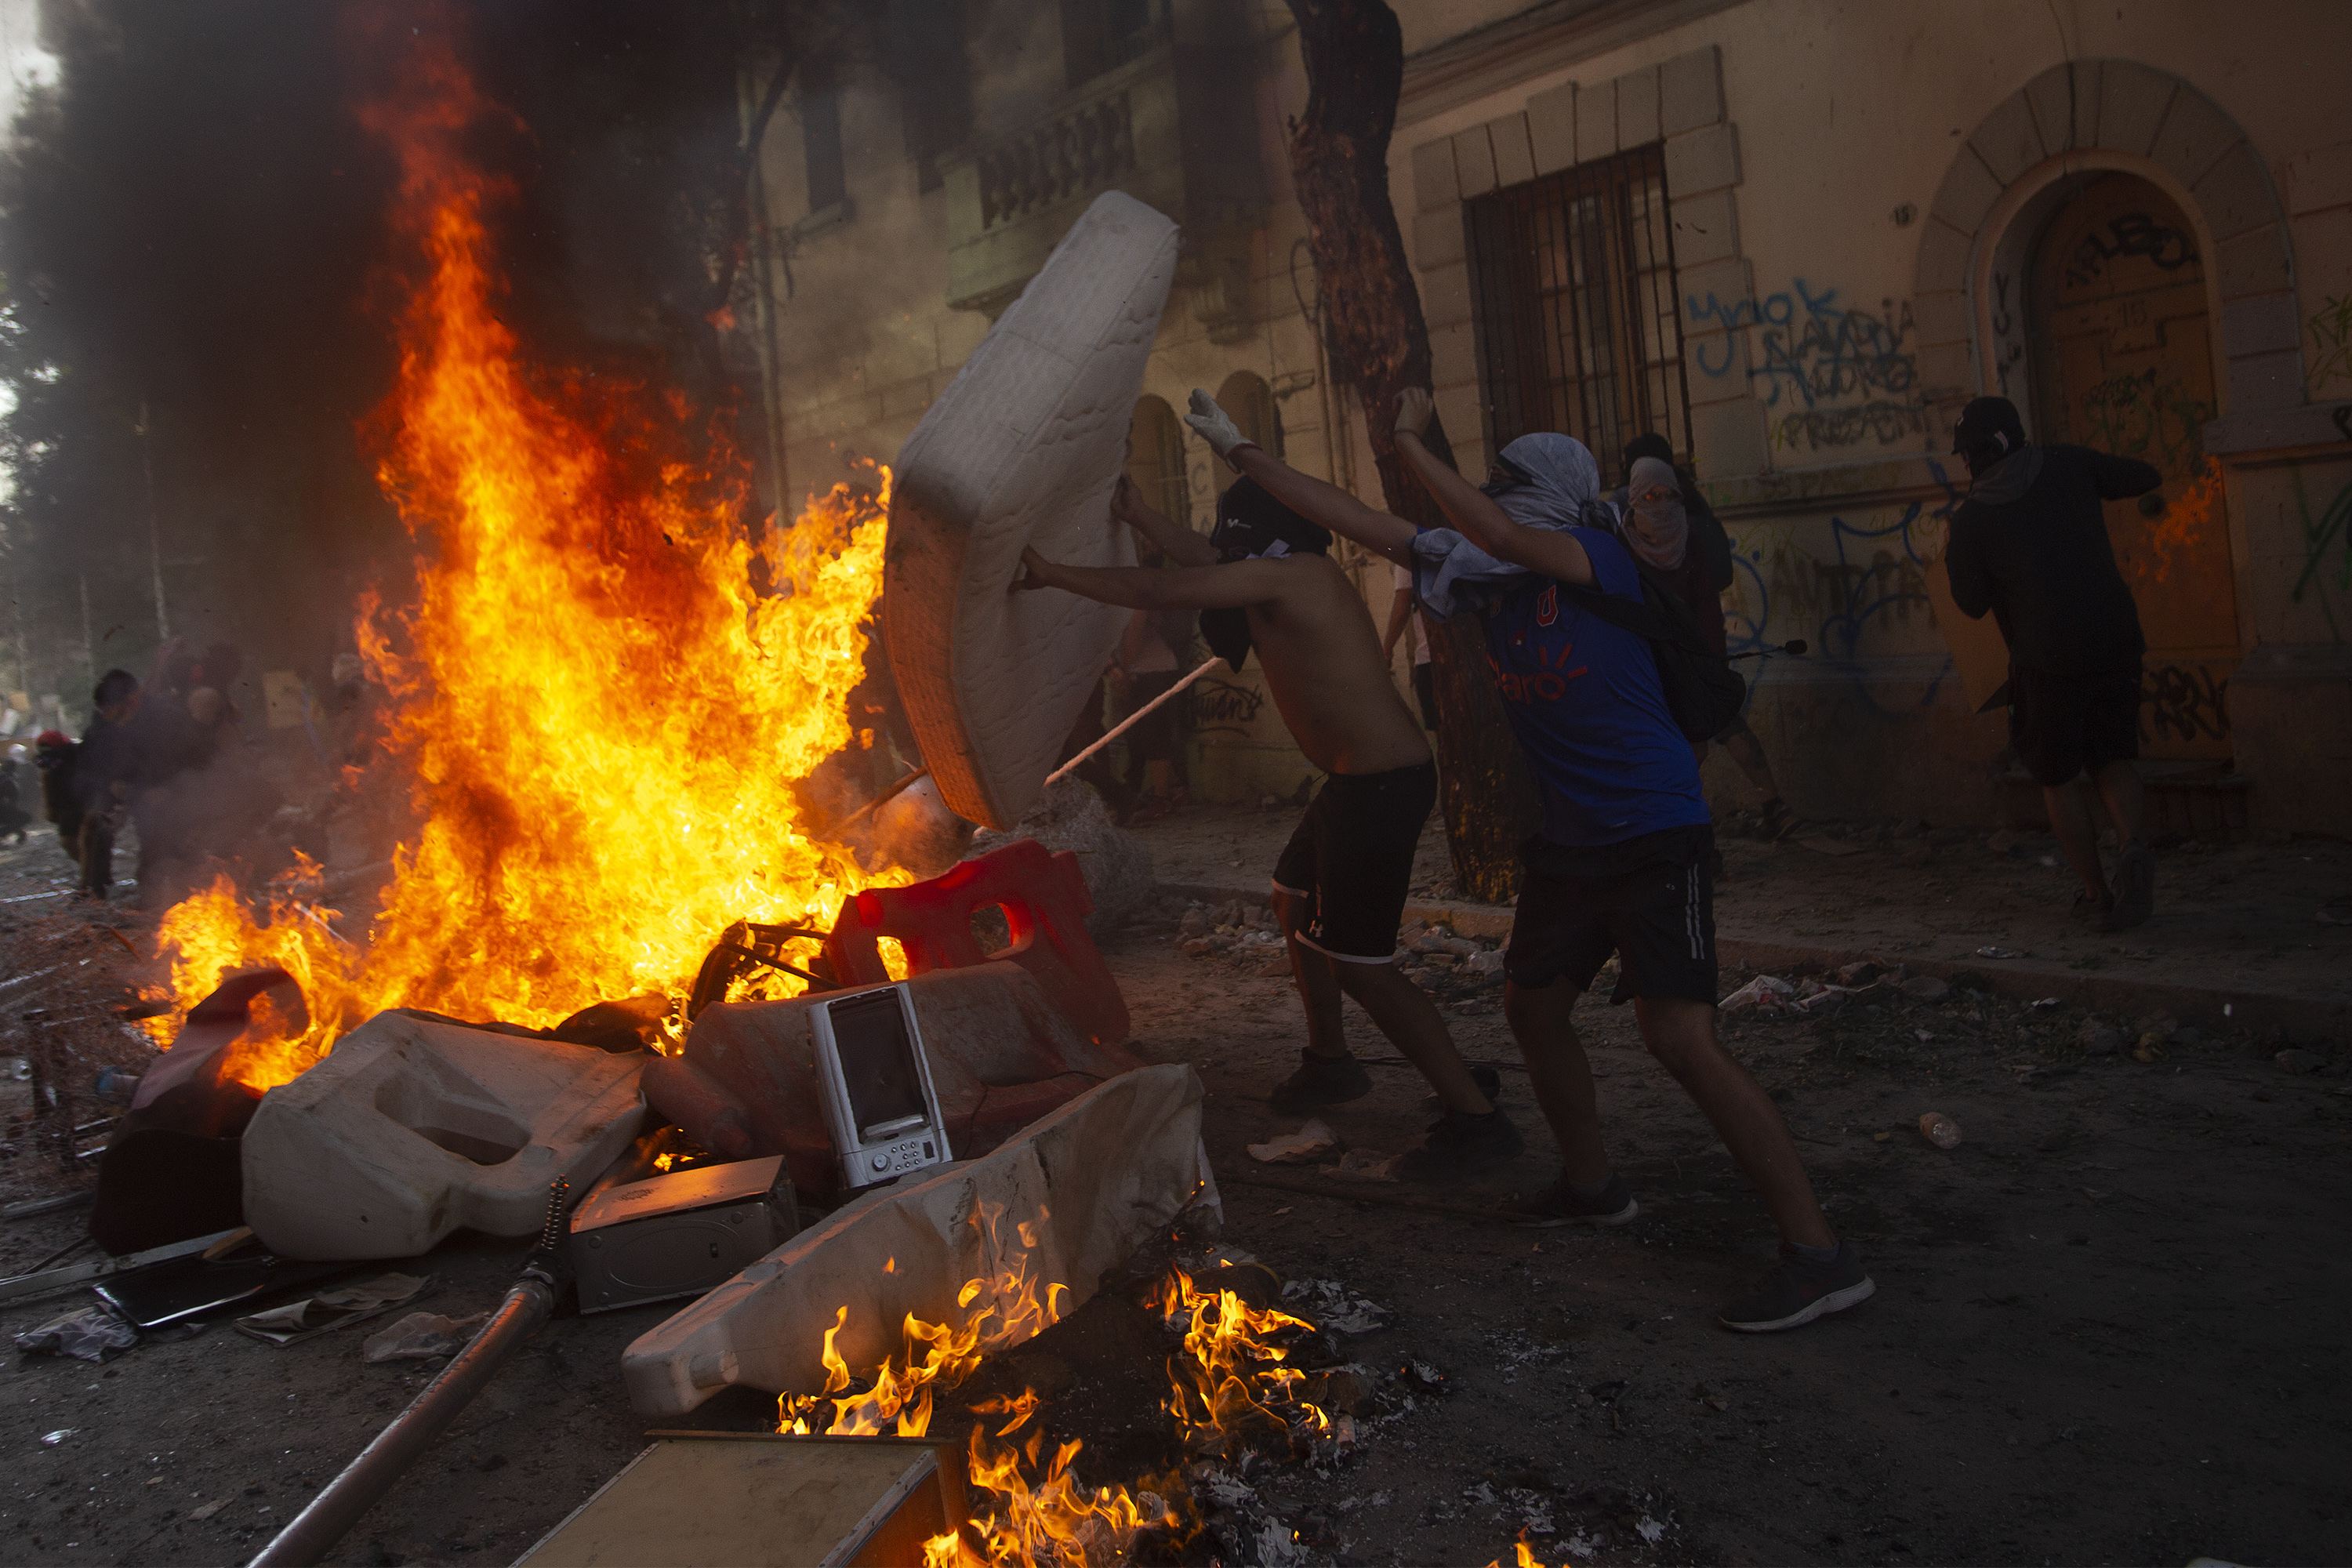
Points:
1572	279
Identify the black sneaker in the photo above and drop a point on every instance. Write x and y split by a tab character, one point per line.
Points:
2093	912
1559	1205
2135	885
1321	1081
1777	818
1489	1082
1460	1145
1800	1290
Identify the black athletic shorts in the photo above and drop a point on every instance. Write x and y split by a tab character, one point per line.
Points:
1650	900
1351	858
2061	724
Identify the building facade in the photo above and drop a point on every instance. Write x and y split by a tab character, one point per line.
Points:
1791	236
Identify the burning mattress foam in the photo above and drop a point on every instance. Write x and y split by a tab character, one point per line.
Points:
413	1127
1090	1183
1022	447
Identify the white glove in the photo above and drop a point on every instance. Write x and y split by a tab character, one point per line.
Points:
1216	427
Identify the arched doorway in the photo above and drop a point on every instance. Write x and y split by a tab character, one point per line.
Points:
2121	353
1155	458
1247	397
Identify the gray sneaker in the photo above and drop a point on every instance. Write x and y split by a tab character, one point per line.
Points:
1800	1290
1559	1205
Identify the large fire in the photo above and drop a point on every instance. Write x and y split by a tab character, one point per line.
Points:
602	717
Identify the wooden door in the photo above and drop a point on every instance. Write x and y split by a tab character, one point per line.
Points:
2123	362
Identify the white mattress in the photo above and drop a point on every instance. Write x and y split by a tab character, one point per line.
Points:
1022	447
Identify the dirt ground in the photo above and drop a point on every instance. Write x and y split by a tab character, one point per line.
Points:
2109	1325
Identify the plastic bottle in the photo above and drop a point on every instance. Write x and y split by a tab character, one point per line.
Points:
1939	1129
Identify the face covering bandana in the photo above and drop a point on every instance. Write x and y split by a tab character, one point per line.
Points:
1656	528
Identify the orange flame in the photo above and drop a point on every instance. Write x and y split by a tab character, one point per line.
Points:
1228	1381
602	717
1057	1521
2176	527
1017	1309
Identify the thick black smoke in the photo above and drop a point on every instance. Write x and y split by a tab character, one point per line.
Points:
194	223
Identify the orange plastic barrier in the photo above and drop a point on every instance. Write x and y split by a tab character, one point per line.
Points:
1045	906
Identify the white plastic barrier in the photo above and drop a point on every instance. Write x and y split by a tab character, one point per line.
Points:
410	1128
1074	1195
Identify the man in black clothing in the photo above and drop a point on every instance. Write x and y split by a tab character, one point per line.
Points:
2031	544
106	771
1701	573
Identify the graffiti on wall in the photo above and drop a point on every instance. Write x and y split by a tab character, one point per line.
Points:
2326	547
2133	415
1813	351
1866	594
1221	705
2182	702
2129	234
2330	331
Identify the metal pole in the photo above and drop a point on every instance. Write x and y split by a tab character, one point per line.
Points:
312	1533
1124	725
154	525
89	645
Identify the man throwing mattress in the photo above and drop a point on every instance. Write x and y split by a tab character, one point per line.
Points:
1261	579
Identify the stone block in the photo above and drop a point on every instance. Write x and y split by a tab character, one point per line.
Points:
1434	183
1453	352
2236	194
1706	229
2132	103
2194	135
1690	91
1551	128
1716	365
1474	161
904	397
1437	238
1596	121
1446	293
2324	241
2085	105
2008	140
1637	108
2319	177
1968	192
2263	382
2051	98
1943	266
1941	317
1728	439
1702	161
1515	160
1945	371
1465	414
2265	323
2254	262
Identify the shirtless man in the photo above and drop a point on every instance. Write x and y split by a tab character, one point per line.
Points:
1340	887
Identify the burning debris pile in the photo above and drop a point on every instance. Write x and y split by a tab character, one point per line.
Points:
607	686
1247	1388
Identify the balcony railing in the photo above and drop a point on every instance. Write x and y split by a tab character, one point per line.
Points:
1077	153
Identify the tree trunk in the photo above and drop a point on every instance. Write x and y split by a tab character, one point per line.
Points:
1378	340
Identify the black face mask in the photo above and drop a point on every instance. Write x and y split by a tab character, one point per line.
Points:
1504	475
